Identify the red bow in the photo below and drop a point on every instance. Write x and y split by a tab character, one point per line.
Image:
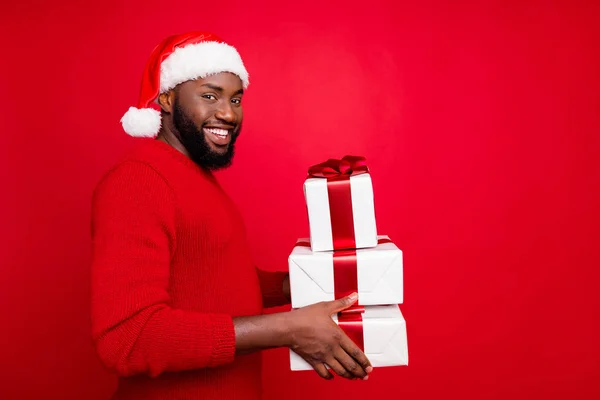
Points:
347	166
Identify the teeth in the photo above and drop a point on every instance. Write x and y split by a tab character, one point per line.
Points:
219	132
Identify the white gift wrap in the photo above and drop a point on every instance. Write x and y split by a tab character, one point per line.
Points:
384	331
319	218
379	272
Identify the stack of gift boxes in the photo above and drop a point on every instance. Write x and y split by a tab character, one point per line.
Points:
344	255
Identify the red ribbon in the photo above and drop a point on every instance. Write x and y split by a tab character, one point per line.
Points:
351	322
338	173
345	273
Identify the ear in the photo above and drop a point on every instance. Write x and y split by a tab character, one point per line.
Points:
167	101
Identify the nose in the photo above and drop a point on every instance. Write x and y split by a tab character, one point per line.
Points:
225	112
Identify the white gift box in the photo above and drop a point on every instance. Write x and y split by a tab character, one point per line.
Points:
379	273
385	341
319	216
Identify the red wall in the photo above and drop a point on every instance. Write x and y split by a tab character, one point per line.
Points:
481	127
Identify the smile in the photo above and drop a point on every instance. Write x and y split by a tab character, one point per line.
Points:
219	136
221	133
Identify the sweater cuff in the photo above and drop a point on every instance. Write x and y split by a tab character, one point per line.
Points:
223	334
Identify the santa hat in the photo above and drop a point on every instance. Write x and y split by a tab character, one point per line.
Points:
176	60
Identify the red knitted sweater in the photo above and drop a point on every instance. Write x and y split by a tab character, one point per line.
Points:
170	269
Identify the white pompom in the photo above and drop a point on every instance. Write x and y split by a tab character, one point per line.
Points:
144	122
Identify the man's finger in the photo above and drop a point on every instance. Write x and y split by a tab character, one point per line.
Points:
356	353
339	369
321	370
350	364
341	304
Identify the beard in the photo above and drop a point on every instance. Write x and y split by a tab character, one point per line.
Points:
195	143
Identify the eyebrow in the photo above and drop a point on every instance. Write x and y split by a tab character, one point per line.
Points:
220	89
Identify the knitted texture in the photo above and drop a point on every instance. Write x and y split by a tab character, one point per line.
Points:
170	269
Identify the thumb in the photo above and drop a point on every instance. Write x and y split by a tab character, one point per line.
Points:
343	303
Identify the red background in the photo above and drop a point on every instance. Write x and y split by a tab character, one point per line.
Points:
480	123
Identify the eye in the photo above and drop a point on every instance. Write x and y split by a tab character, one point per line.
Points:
209	96
236	101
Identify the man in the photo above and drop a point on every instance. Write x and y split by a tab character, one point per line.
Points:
177	305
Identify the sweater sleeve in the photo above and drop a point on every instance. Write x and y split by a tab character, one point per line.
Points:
271	285
134	328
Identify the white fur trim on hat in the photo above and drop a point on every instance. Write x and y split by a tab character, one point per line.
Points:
144	122
199	61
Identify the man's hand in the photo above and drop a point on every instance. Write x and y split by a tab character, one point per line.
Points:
311	333
316	338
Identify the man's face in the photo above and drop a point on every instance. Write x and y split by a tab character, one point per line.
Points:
207	116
